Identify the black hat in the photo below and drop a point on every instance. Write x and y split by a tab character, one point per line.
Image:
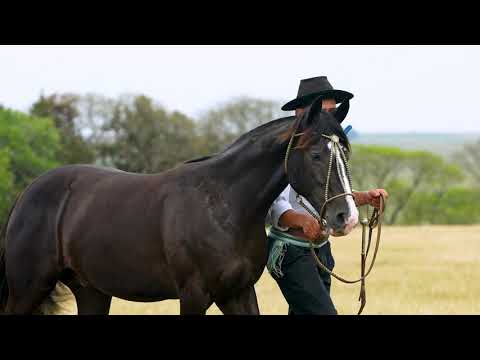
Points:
309	89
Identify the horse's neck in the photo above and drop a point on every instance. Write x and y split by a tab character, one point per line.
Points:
253	170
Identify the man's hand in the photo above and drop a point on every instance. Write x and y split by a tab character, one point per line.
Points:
310	226
370	197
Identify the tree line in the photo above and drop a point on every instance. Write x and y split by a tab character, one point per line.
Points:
135	133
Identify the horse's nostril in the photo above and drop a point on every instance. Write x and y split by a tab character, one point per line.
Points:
341	218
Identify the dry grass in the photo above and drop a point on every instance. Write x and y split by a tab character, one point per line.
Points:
419	270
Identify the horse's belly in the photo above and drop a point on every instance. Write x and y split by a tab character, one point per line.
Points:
132	282
154	291
122	266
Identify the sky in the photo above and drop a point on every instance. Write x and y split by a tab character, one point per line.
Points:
396	88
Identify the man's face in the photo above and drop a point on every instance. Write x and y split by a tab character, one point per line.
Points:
327	105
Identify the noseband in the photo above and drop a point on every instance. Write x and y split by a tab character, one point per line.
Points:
375	220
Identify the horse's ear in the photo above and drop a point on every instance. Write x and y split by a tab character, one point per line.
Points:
310	112
341	112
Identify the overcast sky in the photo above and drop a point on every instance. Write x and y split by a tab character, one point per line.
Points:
396	88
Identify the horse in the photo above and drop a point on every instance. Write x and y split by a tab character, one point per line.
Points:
195	232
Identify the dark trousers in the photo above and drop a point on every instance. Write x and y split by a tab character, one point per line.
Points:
304	285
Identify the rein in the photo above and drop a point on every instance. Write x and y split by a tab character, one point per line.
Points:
375	220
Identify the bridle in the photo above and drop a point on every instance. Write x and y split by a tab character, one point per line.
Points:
375	220
335	151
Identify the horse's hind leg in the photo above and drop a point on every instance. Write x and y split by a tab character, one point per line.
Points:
244	303
28	291
26	303
90	301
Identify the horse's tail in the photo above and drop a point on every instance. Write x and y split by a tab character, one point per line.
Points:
60	301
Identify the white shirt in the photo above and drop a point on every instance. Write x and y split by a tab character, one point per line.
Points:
287	200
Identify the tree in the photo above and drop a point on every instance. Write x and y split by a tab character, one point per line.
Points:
28	148
469	158
404	174
220	126
375	166
62	108
144	137
6	183
455	205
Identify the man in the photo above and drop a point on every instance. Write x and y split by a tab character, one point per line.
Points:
305	286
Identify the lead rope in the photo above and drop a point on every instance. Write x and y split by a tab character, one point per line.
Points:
375	220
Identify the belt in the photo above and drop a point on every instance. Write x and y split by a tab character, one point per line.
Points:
294	240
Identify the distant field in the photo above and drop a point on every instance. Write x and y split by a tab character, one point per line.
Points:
419	270
442	144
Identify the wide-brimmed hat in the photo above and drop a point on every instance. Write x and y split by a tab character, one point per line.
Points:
312	88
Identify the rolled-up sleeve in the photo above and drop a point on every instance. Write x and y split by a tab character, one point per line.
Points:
278	207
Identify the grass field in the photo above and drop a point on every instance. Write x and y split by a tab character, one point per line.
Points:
419	270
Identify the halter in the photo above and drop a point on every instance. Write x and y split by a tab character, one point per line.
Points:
375	220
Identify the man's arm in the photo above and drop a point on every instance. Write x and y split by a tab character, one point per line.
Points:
282	215
279	206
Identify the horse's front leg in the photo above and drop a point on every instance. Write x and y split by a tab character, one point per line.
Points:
244	303
194	300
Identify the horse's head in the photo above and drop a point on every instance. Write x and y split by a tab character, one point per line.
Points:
319	154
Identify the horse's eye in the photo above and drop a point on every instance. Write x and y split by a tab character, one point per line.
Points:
316	156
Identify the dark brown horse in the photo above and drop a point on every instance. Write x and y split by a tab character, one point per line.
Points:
194	233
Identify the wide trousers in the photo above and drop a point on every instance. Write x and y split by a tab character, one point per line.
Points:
305	286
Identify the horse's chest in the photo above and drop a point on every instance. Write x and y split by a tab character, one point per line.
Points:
237	275
249	257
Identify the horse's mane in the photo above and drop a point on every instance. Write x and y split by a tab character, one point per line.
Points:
303	142
248	135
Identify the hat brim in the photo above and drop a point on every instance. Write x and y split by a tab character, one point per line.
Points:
303	101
